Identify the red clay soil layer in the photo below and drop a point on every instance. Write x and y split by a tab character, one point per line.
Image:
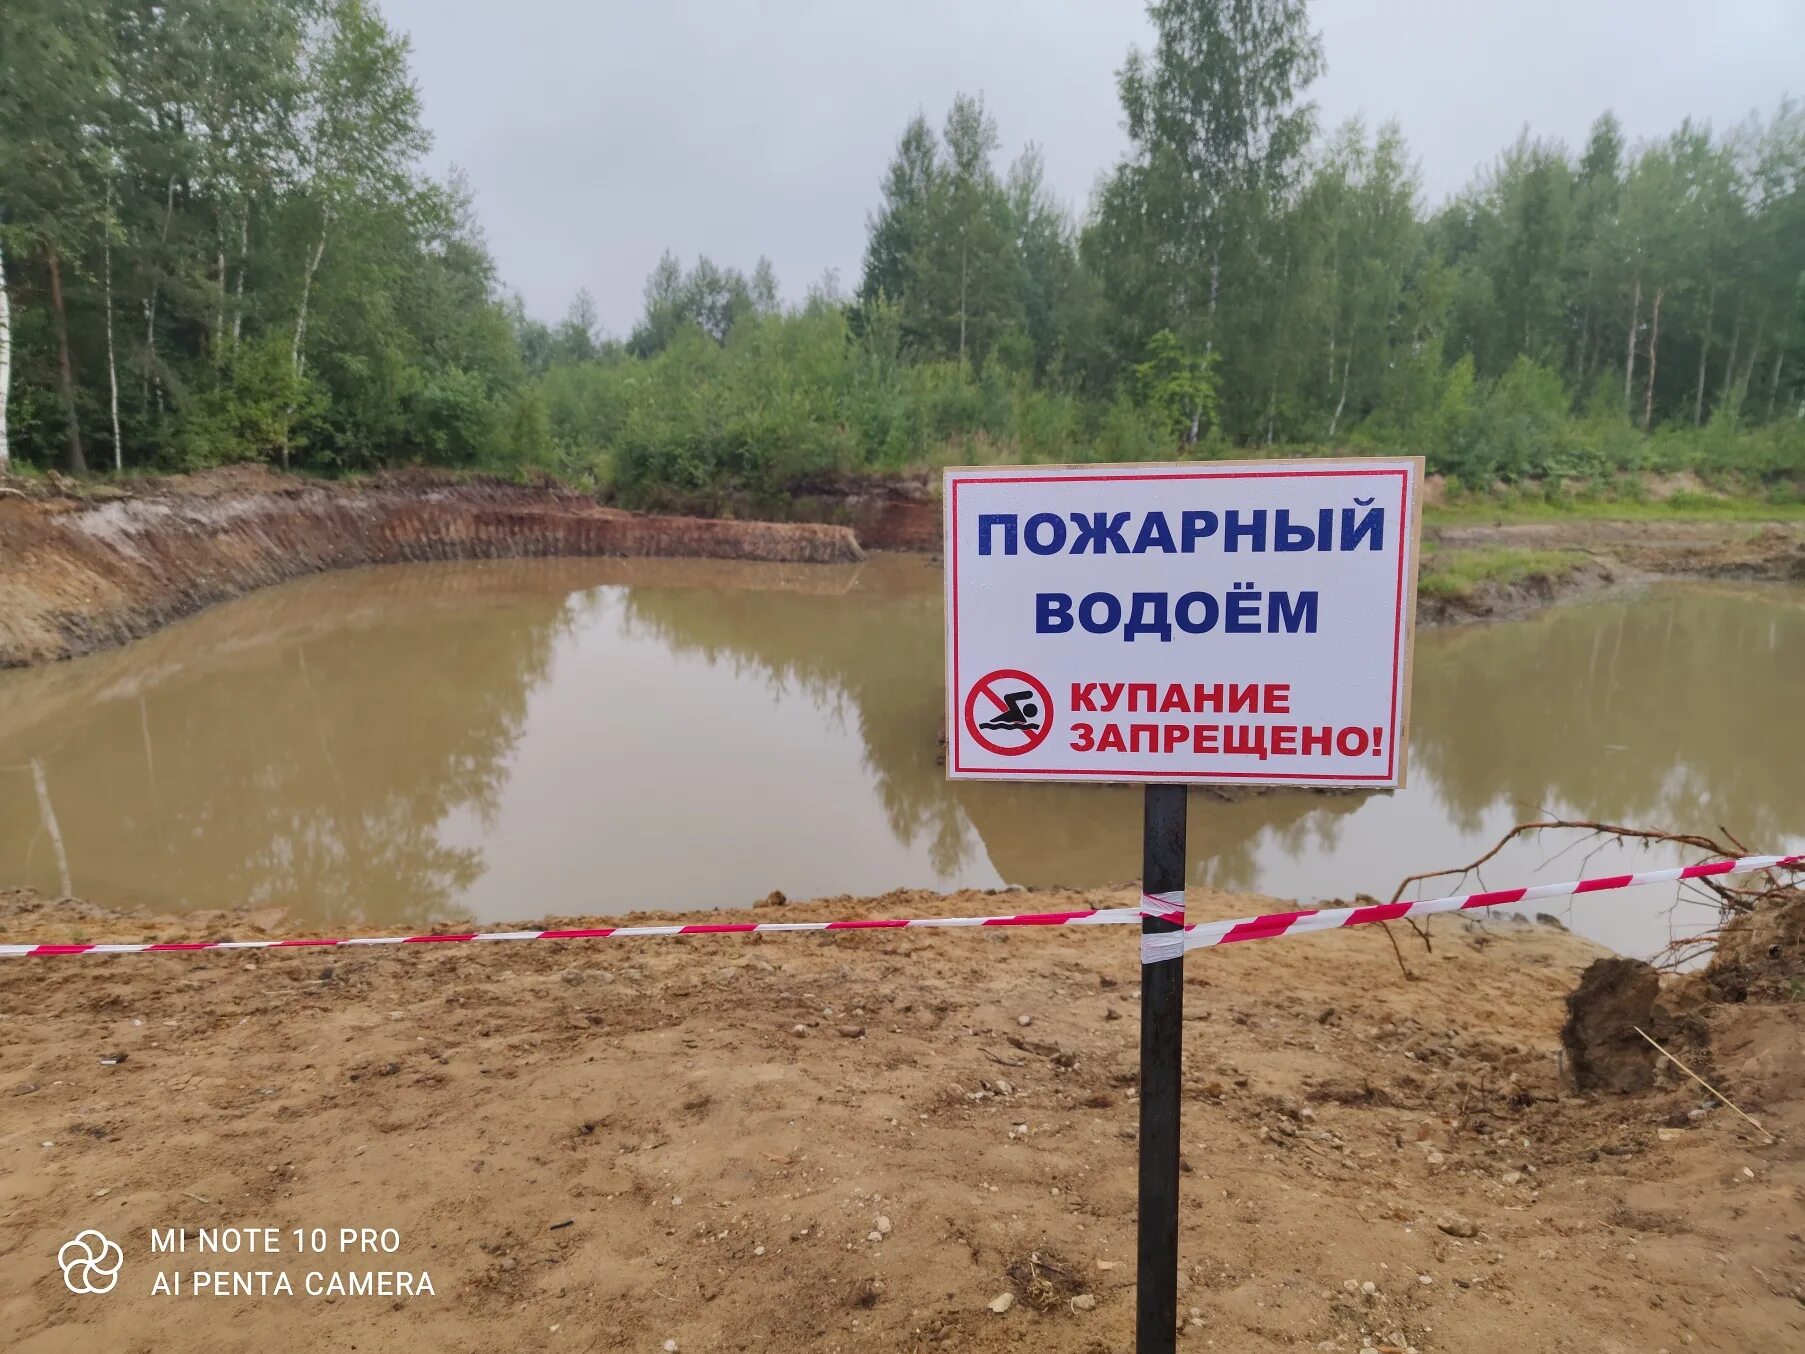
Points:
84	573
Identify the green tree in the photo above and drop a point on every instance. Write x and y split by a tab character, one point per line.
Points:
708	298
361	132
1590	272
1363	200
964	290
1219	130
576	338
1774	255
895	226
1177	385
56	65
1044	243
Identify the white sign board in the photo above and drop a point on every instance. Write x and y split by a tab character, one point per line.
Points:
1211	622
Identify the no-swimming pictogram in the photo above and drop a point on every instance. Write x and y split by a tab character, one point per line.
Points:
1008	712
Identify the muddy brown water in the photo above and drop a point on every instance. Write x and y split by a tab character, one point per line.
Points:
502	740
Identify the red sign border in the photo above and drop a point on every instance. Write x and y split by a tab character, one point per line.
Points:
1391	776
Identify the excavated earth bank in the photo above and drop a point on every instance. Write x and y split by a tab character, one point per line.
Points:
84	567
84	573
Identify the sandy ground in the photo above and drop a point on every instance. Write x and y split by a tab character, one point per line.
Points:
860	1142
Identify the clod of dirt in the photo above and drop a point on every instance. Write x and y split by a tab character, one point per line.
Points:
1614	997
1760	954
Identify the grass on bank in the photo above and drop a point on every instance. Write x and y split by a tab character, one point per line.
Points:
1504	507
1455	574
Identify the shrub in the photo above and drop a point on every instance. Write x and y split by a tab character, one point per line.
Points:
253	411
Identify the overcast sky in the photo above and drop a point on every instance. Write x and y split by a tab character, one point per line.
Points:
596	135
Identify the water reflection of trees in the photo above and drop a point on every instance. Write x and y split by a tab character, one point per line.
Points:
312	770
875	652
1679	708
1673	708
872	654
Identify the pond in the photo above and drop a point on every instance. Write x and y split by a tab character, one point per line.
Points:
509	739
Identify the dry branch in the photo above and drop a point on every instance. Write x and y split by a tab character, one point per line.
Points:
1702	1082
1579	824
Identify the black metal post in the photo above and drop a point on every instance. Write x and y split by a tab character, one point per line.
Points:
1162	1043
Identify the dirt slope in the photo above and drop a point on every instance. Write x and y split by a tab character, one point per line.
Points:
78	574
83	567
856	1143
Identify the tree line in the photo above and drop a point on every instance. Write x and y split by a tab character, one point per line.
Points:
220	246
217	243
1664	282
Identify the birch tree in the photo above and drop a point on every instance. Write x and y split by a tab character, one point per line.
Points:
361	131
964	282
106	254
1218	129
895	226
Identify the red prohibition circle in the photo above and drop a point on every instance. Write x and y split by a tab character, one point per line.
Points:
990	698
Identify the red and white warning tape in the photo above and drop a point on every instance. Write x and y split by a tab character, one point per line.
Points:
1169	905
1154	948
1101	917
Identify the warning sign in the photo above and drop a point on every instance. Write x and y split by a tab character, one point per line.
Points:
1244	623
